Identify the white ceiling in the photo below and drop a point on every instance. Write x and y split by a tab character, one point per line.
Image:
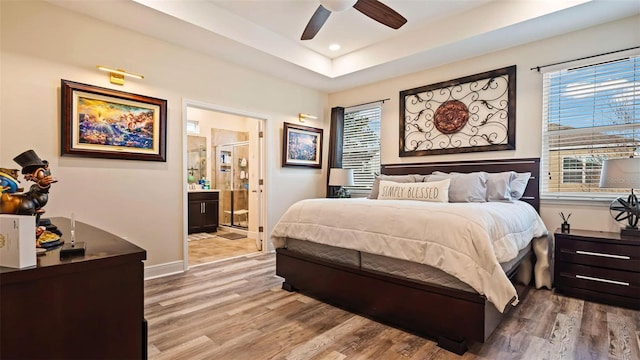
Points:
265	34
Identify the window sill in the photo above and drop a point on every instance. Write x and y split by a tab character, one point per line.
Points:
576	201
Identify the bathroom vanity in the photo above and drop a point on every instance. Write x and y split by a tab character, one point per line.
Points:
203	210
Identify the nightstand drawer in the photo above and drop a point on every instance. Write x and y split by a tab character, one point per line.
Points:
609	281
601	254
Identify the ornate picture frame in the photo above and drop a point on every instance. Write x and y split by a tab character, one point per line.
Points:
301	146
469	114
105	123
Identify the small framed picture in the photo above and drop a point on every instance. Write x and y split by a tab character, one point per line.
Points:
105	123
301	146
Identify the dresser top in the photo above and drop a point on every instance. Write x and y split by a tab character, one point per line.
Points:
598	235
102	249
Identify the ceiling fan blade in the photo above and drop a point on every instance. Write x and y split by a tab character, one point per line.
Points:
380	13
317	20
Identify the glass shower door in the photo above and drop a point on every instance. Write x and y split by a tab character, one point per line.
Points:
225	182
240	214
233	182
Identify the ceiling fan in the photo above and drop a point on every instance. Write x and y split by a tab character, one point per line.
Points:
371	8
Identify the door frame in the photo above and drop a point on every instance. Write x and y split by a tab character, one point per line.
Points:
263	191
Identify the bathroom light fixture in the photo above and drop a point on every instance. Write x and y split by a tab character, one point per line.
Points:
117	76
302	117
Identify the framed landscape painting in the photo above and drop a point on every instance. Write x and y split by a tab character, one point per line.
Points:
301	146
105	123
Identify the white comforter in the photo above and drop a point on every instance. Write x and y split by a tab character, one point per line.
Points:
466	240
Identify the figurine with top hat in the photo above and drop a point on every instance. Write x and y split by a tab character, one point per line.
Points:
31	202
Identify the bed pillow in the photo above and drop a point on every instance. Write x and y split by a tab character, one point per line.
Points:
506	186
434	191
471	187
498	186
518	184
395	178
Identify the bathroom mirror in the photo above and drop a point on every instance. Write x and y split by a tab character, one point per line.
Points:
196	158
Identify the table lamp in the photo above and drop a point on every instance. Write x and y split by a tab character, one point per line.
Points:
341	177
623	173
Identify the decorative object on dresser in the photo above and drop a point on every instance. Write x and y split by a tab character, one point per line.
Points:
30	202
623	174
598	266
341	178
301	146
469	114
106	123
566	227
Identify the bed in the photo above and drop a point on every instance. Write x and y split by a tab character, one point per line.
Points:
403	292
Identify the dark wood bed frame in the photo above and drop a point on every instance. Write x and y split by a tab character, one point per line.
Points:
453	317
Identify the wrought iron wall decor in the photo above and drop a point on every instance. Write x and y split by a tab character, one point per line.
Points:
469	114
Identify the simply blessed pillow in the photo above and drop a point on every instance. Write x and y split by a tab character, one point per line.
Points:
435	191
375	188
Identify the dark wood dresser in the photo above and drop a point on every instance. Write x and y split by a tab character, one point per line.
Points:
598	266
82	307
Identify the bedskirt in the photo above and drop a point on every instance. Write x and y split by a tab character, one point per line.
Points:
531	262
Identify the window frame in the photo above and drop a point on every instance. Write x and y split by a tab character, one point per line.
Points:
359	191
595	147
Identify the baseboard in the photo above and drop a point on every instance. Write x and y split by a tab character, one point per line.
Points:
166	269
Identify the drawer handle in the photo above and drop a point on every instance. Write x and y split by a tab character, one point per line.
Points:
602	280
603	255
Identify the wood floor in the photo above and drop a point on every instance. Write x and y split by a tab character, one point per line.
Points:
235	309
217	248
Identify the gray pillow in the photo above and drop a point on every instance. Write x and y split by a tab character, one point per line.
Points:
518	184
471	187
506	186
498	186
375	188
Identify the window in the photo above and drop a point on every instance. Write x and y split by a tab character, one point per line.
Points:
590	113
581	170
361	144
193	127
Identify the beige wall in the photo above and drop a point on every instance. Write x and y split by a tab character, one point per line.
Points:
613	36
142	201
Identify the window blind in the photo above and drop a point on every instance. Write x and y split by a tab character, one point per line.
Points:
590	113
361	144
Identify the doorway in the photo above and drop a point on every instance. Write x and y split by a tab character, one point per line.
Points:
233	164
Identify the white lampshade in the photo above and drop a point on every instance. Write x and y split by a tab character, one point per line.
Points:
620	173
340	177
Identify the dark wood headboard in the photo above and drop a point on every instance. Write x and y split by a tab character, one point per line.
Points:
532	165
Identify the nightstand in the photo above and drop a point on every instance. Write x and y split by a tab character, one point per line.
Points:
598	266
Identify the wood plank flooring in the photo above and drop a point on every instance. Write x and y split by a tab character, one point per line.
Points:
235	309
217	248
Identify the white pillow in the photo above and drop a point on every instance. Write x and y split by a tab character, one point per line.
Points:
434	191
375	188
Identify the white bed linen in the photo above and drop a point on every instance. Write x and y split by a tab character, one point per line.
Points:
466	240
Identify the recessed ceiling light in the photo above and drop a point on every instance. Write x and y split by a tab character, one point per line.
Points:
334	47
